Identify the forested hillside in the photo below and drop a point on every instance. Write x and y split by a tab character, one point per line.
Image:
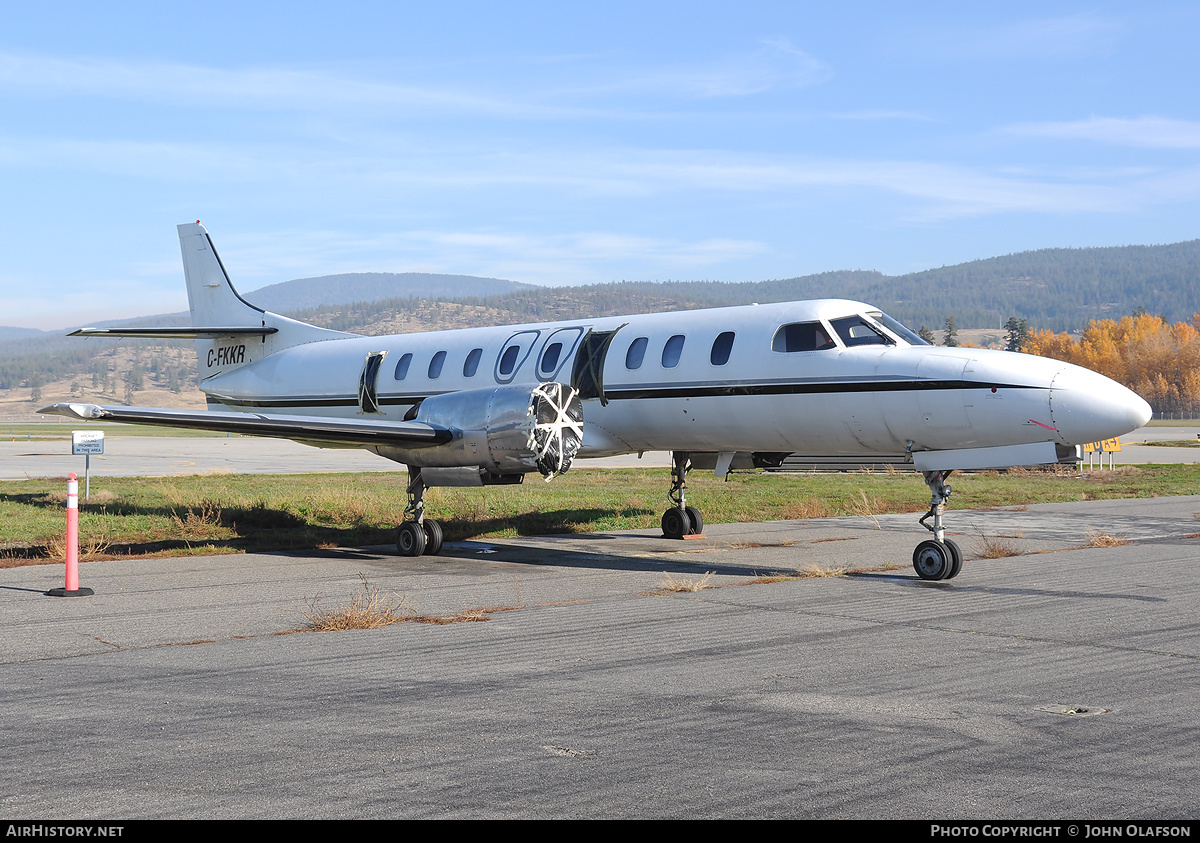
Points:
1055	290
1052	289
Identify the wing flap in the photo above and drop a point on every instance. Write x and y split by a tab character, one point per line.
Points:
312	429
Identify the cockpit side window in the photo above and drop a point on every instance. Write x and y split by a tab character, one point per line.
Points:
854	330
802	336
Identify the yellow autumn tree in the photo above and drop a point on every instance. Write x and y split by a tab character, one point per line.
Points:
1157	360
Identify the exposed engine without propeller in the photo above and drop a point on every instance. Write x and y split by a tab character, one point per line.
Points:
499	434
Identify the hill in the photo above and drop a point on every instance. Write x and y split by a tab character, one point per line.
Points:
373	286
1057	289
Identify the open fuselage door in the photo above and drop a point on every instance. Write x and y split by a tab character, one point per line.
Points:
587	376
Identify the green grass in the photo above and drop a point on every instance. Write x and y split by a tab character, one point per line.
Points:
247	513
1178	443
1173	423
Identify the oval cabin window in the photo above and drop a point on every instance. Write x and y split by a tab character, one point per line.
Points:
722	345
402	367
471	364
636	353
672	351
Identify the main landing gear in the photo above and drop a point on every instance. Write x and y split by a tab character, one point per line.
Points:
938	558
418	535
681	520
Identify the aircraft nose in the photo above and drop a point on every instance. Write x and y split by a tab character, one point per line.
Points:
1088	407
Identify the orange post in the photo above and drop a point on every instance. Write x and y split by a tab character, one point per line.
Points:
72	533
72	588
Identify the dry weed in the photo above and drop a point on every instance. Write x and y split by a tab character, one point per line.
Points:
369	609
866	507
197	522
1099	538
771	578
813	571
56	548
670	585
806	509
995	547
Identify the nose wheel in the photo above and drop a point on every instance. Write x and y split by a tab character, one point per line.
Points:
934	560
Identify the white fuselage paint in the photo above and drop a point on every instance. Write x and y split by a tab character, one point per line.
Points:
861	400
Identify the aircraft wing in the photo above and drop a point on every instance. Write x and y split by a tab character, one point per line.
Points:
314	429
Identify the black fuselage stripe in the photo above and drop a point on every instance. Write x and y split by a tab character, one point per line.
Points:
807	388
639	393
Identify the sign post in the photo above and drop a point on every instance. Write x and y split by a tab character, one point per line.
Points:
87	442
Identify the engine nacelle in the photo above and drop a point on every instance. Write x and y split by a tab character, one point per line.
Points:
506	430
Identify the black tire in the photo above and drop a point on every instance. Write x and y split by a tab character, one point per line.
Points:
433	537
410	540
695	520
956	559
932	560
674	523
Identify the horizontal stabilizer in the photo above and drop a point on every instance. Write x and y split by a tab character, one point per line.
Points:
314	429
182	333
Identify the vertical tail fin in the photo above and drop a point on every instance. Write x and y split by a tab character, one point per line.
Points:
215	304
214	301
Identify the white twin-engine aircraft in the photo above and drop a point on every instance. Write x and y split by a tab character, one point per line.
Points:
725	388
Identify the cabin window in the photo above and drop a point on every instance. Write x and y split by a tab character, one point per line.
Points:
636	353
550	358
471	364
671	351
722	345
435	365
402	367
509	360
854	330
802	336
514	353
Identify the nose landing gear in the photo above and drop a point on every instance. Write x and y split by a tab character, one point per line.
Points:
681	520
938	558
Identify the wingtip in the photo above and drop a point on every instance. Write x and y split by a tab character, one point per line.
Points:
83	412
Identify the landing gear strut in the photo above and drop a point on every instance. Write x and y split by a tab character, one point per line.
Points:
938	558
418	535
681	520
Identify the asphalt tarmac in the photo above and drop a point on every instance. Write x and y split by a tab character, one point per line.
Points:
1059	683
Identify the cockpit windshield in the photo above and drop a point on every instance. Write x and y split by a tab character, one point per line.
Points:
866	330
897	328
855	330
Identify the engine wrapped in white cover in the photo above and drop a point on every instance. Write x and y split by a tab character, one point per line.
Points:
505	430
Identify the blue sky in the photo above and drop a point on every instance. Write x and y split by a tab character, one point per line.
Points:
551	144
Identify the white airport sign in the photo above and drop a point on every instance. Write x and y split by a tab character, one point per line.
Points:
87	442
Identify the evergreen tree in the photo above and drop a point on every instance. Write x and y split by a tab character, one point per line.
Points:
951	335
1016	335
